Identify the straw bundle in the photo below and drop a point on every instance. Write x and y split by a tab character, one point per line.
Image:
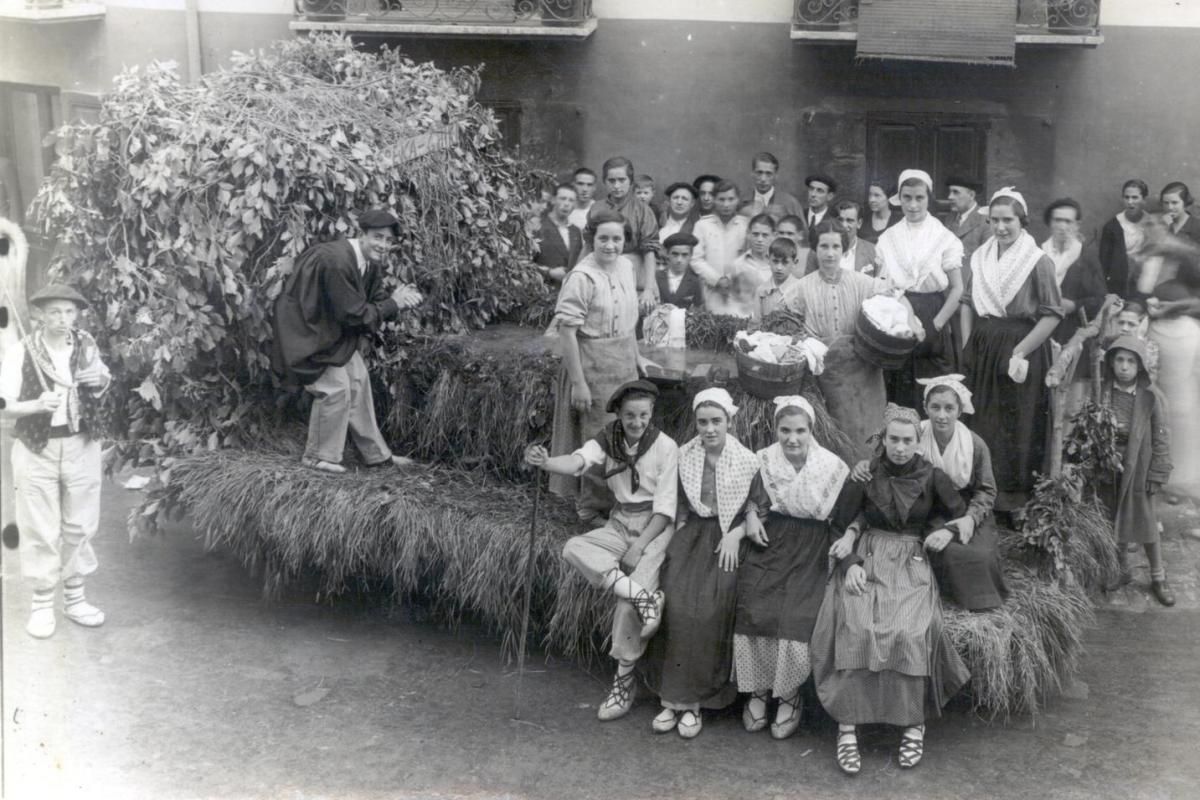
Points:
1023	651
455	538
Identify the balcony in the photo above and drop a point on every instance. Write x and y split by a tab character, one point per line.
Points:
1044	22
50	11
523	19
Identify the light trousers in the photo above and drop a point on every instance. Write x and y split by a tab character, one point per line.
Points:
598	552
58	508
342	401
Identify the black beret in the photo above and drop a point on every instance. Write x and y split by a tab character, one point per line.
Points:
675	187
680	240
967	183
379	218
614	402
825	179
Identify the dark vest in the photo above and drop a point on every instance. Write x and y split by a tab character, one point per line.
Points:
34	430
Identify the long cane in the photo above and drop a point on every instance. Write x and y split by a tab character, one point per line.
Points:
22	332
529	564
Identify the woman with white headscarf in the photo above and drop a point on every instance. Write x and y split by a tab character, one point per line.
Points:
1013	306
690	661
782	579
922	258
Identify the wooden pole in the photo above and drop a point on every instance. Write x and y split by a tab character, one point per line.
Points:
529	565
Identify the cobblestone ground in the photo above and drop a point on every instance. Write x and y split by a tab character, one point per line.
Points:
195	688
1181	554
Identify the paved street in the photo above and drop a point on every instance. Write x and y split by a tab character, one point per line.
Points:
197	689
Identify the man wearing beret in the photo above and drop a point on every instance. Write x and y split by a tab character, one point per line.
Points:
333	297
821	191
51	383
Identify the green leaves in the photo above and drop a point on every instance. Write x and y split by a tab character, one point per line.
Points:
182	209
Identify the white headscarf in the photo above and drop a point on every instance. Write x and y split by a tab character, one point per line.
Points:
955	384
794	401
718	396
1005	191
907	174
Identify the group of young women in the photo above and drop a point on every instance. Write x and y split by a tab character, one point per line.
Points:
787	563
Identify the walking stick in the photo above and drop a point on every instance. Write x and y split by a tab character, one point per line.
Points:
22	333
529	564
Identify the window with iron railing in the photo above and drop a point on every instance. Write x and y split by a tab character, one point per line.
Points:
448	12
1033	17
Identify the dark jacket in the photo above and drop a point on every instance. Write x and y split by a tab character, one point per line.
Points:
553	251
1114	260
690	291
326	305
1084	285
1147	453
973	232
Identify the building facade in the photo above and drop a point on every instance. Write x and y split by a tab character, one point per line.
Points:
690	86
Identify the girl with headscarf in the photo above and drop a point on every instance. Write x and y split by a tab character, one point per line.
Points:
782	579
691	658
923	259
965	555
1012	308
879	651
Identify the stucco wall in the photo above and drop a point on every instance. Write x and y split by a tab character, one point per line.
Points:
681	98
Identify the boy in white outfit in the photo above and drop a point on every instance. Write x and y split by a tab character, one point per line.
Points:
51	384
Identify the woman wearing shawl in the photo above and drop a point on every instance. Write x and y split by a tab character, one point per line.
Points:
640	466
922	258
1013	307
879	651
693	651
966	557
782	579
595	318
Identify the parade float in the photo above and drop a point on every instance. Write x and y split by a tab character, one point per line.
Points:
178	212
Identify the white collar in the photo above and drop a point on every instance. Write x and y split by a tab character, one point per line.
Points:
359	258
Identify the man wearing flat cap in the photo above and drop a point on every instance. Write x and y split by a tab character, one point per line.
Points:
821	191
334	297
51	383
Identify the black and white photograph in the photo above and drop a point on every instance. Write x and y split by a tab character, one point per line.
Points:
595	399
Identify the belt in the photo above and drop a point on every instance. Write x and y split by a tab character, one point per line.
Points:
60	431
635	508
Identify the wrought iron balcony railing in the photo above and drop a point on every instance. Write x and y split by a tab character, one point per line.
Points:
1036	19
450	17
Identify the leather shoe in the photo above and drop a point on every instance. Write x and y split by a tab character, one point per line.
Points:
1162	592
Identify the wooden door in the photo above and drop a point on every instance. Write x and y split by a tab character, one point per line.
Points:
940	145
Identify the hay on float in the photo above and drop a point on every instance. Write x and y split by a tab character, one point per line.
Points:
455	532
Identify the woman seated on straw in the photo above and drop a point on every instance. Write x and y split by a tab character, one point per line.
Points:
782	579
965	555
691	657
595	318
879	652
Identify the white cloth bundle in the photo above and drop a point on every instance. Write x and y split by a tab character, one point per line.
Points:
775	348
889	315
665	326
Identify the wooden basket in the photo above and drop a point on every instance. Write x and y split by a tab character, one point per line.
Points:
768	381
876	347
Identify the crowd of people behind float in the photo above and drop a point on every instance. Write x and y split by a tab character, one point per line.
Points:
718	557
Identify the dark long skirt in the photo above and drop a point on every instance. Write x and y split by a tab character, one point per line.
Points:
690	659
780	586
883	655
937	355
1011	417
970	574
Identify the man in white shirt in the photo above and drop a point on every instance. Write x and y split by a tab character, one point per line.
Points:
584	181
721	237
821	191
